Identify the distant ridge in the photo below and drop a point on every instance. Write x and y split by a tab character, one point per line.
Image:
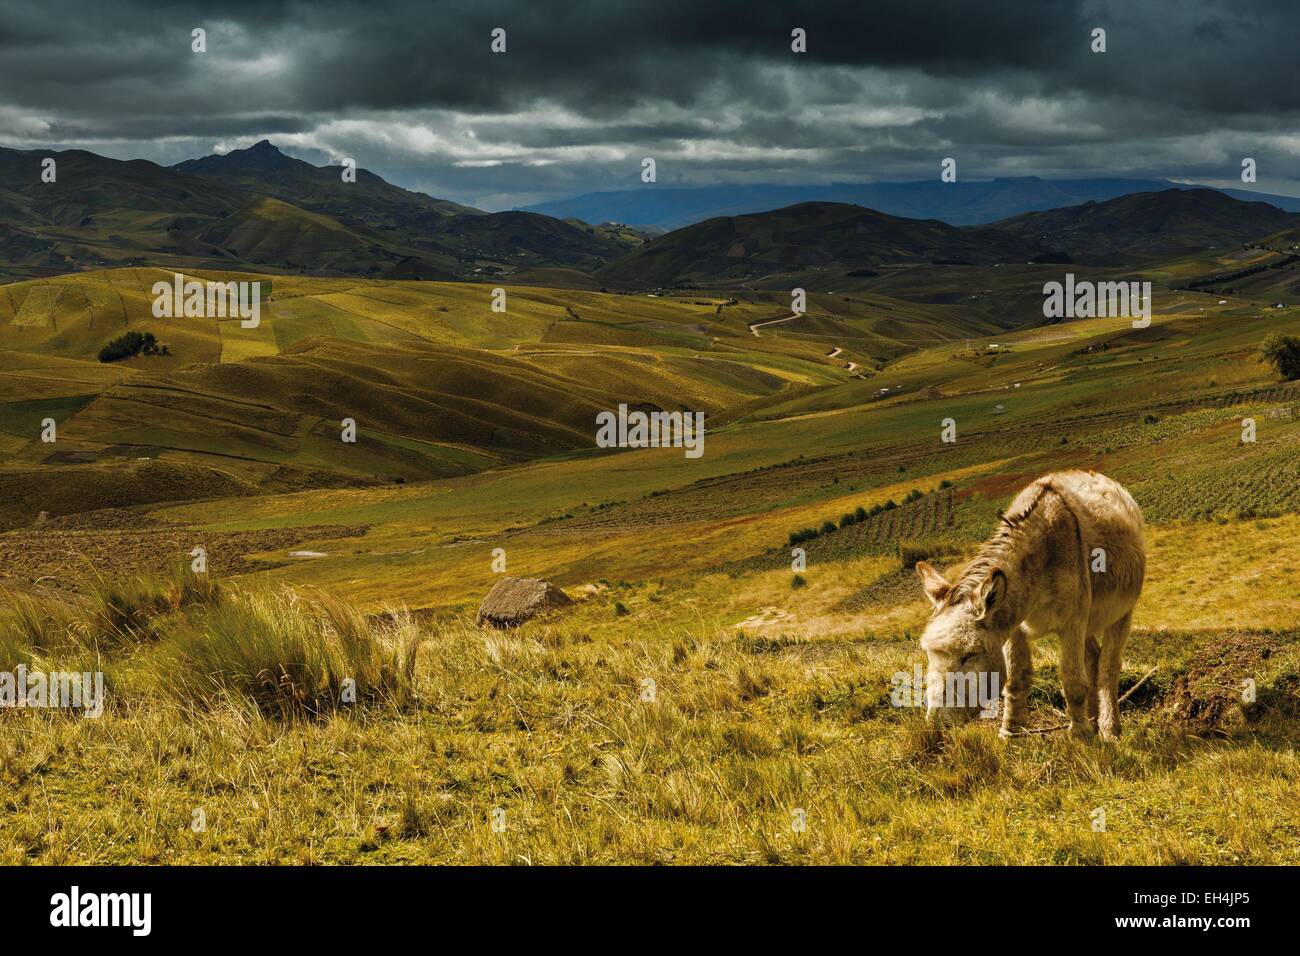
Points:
962	203
837	240
806	237
1169	222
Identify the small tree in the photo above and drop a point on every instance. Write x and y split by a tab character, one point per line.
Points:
1283	353
131	343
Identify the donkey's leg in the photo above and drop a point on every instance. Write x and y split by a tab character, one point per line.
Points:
1015	695
1112	654
1073	677
1091	653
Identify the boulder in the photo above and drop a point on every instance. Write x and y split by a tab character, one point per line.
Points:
512	601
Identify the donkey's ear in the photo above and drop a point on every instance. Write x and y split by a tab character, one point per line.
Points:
991	595
936	586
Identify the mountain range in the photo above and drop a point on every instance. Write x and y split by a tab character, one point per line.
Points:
258	210
962	203
828	243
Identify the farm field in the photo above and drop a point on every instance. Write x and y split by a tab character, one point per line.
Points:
769	689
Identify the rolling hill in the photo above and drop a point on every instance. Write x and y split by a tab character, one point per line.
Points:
1168	223
804	237
437	383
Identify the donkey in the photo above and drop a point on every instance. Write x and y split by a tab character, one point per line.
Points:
1068	559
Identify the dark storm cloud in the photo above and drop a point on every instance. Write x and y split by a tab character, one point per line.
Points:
711	89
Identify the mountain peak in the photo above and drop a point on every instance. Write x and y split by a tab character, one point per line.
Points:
262	153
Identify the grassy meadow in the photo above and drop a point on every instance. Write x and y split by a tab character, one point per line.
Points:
321	693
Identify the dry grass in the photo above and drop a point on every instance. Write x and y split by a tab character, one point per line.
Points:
233	709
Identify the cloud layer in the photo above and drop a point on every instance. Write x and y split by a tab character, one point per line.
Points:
711	90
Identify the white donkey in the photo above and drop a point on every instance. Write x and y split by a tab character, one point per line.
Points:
1067	559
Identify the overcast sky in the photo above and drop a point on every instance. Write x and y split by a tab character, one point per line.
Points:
709	88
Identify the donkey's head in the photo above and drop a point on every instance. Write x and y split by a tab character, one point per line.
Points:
963	644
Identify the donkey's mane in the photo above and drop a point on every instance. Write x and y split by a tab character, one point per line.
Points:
991	553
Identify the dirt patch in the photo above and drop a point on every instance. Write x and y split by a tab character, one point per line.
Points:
767	617
1212	692
105	519
77	488
71	458
65	558
1003	484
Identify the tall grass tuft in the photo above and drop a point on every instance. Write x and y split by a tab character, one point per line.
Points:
127	612
293	654
32	625
189	589
123	612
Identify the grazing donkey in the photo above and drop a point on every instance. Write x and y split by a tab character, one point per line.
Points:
1067	559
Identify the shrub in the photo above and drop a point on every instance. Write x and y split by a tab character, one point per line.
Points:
846	519
129	344
797	582
803	534
1283	353
828	527
860	513
910	552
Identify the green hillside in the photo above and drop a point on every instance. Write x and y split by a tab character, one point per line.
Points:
437	383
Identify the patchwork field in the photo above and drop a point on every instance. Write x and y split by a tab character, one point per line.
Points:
701	695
